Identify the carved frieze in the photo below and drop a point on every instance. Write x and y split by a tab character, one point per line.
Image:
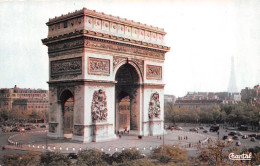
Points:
67	68
153	72
98	66
99	106
154	106
78	130
123	48
53	127
66	45
59	49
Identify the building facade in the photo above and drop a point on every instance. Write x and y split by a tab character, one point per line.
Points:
24	99
207	99
106	75
251	95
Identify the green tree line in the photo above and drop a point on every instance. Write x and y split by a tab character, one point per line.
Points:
22	115
240	113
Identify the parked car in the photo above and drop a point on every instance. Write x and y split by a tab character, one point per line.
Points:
235	137
27	128
205	131
43	126
232	133
214	128
244	136
253	139
239	133
194	129
238	143
15	129
178	128
225	137
229	140
252	135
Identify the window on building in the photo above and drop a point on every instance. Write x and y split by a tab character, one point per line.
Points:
65	24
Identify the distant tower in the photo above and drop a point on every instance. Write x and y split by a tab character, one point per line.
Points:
232	87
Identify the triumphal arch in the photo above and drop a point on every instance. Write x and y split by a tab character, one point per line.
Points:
105	76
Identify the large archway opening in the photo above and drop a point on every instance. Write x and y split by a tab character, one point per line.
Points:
67	103
127	116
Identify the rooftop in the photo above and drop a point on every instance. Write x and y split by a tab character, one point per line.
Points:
102	15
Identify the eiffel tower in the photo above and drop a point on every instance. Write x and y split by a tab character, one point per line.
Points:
232	87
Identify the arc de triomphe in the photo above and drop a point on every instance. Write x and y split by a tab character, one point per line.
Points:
105	76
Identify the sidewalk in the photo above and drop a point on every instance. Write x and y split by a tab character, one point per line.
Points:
37	141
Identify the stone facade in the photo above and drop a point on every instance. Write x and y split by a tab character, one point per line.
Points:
105	64
24	99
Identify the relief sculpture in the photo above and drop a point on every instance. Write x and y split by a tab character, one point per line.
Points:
154	106
66	67
99	106
153	72
99	66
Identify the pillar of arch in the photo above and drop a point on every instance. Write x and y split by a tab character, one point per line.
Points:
108	73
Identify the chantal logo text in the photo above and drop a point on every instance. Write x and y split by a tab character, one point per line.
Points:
243	156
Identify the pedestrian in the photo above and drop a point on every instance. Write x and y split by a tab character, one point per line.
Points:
186	137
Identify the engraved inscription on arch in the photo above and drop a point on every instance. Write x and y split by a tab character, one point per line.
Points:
153	72
71	66
98	66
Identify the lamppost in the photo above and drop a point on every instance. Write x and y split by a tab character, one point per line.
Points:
46	139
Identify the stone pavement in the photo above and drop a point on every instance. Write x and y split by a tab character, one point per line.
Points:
37	141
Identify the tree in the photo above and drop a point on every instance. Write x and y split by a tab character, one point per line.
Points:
91	157
54	158
3	115
170	153
28	159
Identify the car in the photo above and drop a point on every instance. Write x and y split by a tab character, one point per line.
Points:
257	136
252	135
72	156
43	126
231	128
253	139
214	129
229	140
194	129
244	137
235	137
205	131
232	133
27	128
238	143
239	133
178	128
201	127
15	129
225	137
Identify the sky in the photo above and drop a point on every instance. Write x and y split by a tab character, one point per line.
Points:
203	36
